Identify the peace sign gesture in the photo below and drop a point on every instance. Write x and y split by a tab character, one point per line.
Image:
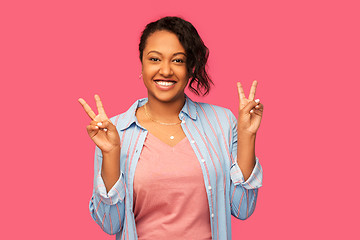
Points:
250	111
100	129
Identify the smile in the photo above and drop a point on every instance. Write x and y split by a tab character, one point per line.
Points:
164	83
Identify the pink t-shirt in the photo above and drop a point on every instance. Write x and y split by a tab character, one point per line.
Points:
170	200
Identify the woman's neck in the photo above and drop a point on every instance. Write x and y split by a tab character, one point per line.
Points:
165	111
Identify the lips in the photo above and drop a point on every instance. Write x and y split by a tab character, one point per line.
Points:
165	80
165	84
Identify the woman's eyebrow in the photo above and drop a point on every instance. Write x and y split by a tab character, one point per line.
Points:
179	53
161	54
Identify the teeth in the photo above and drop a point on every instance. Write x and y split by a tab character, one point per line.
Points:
162	83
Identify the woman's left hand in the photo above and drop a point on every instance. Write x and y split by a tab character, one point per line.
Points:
250	111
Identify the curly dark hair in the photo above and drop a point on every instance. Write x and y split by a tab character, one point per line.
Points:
196	51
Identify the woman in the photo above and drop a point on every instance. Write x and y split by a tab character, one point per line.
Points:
169	167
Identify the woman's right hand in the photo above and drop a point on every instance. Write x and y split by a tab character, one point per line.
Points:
103	133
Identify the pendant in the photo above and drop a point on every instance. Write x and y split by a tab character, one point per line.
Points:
171	137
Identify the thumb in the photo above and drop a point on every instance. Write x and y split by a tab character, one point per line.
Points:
251	105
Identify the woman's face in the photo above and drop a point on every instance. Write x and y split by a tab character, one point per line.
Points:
164	67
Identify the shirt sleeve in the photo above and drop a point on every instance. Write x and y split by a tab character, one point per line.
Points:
107	208
243	193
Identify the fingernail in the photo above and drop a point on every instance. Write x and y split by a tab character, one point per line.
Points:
99	124
105	129
251	111
257	100
96	127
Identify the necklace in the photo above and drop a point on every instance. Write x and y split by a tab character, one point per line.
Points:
162	123
172	137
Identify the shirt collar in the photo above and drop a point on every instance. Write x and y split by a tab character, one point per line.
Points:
128	118
189	108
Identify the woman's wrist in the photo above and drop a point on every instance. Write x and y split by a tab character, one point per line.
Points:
114	151
246	137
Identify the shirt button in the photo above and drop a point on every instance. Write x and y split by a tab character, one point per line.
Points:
181	115
209	187
183	121
192	141
203	160
212	215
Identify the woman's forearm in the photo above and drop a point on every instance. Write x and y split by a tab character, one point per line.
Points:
246	154
110	171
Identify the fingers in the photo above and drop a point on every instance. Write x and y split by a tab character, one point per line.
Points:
260	106
258	109
92	126
87	108
107	124
241	92
252	106
99	105
253	90
103	125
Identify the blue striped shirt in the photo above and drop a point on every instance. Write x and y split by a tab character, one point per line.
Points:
212	132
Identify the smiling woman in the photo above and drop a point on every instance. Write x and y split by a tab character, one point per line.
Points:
192	45
164	68
169	167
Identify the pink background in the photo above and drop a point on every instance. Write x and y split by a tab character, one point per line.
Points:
305	55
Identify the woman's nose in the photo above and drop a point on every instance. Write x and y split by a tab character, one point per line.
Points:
165	69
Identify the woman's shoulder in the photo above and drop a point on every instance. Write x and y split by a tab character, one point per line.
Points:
124	119
208	109
119	119
215	118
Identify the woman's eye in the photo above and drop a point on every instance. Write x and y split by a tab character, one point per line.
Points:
179	60
154	59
